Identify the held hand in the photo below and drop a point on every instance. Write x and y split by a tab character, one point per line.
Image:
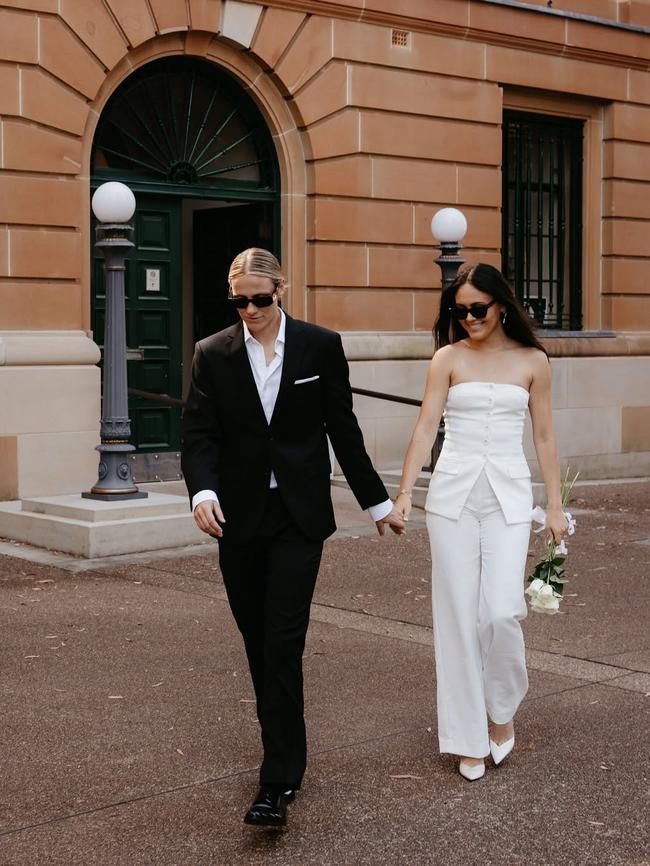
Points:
404	504
556	525
208	515
394	520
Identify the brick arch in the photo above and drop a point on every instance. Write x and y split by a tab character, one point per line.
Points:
274	109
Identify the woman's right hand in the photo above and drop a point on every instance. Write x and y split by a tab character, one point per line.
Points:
404	504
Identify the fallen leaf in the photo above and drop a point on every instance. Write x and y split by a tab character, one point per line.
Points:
32	657
116	697
597	823
179	752
406	776
155	685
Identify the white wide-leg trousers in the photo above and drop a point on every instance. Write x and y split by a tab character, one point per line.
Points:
478	564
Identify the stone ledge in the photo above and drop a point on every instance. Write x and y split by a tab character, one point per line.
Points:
410	346
33	348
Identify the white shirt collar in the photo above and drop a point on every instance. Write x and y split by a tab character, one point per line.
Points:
279	340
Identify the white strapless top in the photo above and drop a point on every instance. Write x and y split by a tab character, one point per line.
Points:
484	427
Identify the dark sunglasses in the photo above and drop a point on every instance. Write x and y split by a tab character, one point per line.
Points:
240	302
478	311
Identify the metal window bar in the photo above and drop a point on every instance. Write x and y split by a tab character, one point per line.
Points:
542	216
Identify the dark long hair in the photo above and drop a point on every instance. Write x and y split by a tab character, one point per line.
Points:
486	278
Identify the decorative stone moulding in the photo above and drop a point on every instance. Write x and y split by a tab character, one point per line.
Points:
32	348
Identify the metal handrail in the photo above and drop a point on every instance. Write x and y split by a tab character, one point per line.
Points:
156	398
436	448
393	398
174	401
363	392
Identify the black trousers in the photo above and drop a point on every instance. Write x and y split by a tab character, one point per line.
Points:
270	583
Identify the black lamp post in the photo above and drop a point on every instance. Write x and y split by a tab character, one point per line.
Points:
448	227
114	204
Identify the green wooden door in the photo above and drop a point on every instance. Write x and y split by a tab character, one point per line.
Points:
153	288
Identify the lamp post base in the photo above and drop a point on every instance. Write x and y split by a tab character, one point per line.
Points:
115	481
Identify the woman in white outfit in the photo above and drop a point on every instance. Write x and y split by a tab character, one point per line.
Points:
488	368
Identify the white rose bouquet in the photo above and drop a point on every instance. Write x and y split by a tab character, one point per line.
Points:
546	581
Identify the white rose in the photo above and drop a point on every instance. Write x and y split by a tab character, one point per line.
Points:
546	600
535	586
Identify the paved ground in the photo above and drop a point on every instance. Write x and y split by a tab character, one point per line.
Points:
129	736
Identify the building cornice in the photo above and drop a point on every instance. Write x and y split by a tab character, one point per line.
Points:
334	9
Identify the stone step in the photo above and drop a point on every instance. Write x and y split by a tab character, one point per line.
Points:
91	528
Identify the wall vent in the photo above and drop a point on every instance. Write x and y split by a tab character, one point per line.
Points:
401	38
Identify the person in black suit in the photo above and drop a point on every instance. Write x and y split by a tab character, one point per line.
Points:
265	395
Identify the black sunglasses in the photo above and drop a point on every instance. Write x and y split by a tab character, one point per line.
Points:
240	302
478	311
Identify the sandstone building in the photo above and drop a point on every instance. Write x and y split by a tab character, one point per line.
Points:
330	131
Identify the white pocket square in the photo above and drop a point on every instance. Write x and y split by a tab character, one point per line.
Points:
309	379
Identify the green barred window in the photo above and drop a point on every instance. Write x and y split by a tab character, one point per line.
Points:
542	216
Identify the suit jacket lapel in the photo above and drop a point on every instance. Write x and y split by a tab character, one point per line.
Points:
243	376
293	350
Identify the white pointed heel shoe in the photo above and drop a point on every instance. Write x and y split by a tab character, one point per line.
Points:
471	772
501	751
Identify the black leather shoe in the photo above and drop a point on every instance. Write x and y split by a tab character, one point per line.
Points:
269	808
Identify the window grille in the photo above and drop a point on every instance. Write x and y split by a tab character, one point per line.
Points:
400	38
542	216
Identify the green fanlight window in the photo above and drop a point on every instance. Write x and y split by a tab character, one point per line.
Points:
182	123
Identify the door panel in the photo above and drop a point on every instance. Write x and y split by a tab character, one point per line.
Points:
154	308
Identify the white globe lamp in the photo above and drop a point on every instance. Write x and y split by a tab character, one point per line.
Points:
449	225
113	202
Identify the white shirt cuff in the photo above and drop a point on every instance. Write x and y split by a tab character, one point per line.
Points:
378	512
203	496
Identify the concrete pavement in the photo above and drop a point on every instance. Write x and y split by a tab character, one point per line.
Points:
129	736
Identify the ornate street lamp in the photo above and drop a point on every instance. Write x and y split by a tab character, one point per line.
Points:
113	205
449	227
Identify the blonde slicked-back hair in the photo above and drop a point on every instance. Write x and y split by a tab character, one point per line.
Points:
259	263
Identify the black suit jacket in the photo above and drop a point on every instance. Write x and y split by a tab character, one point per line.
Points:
229	447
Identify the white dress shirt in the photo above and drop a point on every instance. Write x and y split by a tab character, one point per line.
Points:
267	381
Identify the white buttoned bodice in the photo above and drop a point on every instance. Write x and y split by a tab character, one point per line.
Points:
485	418
484	425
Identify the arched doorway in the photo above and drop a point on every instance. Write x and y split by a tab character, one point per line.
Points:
190	142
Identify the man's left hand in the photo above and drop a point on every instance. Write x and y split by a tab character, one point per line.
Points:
394	519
